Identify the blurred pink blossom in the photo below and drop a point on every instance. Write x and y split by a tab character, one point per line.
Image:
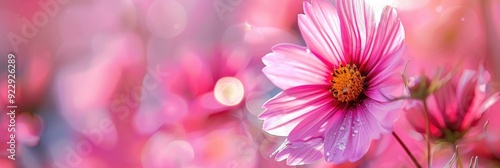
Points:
455	111
218	80
455	107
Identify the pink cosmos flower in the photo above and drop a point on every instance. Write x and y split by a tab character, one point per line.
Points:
455	108
456	119
333	103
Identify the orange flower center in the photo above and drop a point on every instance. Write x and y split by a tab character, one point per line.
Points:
347	83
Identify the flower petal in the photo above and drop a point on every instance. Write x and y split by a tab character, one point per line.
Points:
290	65
357	23
320	28
368	37
446	107
382	90
287	109
472	84
299	153
465	88
385	47
386	73
384	112
313	124
414	114
349	136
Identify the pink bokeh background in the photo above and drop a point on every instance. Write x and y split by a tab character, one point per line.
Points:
179	83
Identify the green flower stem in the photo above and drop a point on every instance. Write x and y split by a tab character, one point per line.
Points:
406	150
427	133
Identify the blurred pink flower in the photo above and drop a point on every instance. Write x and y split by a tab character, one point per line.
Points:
455	108
333	90
217	80
456	119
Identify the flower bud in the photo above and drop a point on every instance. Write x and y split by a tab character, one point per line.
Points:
420	87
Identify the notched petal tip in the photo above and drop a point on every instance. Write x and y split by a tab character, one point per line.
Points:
306	6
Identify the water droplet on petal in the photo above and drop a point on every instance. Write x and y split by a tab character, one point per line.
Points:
308	51
341	147
342	128
356	131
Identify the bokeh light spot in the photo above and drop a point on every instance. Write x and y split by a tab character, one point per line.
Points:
162	150
166	18
229	91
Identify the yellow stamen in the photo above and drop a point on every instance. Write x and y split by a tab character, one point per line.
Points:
347	83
